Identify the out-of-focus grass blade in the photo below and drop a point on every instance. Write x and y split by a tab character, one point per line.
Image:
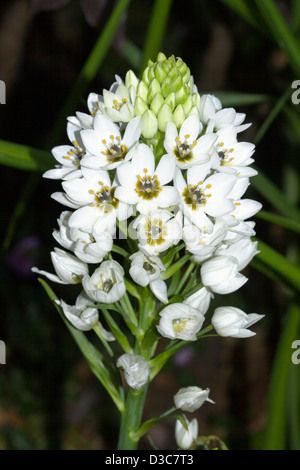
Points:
276	429
90	69
288	271
156	31
285	222
24	157
278	107
244	9
235	99
132	54
280	31
295	15
271	193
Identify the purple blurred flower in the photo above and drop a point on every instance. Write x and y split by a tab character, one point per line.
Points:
184	356
22	257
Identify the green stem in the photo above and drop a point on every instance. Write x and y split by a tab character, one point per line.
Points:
156	31
131	418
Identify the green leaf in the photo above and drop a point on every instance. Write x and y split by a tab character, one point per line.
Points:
24	157
280	31
118	334
147	425
276	428
287	271
264	186
244	8
285	222
94	358
235	98
175	267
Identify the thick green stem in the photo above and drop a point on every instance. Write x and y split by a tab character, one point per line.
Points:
131	418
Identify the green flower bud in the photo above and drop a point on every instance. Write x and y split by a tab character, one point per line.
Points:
171	101
164	115
160	72
157	103
181	95
142	91
187	105
149	124
131	79
154	88
140	106
178	116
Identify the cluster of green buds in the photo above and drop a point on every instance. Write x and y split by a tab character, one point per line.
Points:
165	93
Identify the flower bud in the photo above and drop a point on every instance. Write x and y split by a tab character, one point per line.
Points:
154	88
231	321
185	438
220	274
164	115
131	79
140	106
136	370
142	91
191	398
178	116
157	103
148	124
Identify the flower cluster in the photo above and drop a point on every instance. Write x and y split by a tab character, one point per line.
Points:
157	165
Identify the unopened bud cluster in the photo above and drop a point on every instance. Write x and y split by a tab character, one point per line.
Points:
165	93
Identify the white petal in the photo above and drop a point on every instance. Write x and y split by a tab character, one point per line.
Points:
159	289
165	169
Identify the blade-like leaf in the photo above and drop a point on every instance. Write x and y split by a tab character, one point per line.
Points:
24	157
94	358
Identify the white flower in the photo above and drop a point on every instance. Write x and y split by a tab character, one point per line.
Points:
200	300
191	398
70	157
221	274
156	231
243	250
118	105
146	270
98	207
136	370
185	145
202	198
69	269
185	438
80	315
231	155
143	184
200	243
107	147
106	284
180	321
88	247
231	321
